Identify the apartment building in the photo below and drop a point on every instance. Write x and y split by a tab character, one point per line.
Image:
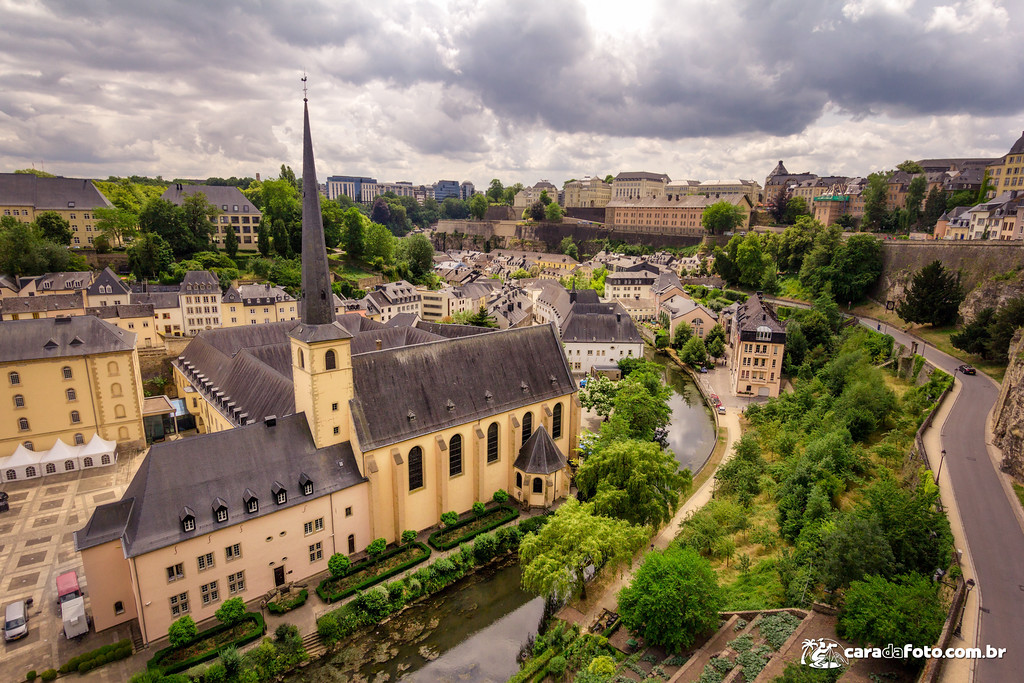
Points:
1007	173
251	304
758	345
630	185
588	192
668	215
24	196
235	211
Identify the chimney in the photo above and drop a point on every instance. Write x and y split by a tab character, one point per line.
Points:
380	344
270	421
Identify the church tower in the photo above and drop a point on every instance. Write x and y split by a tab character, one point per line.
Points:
320	346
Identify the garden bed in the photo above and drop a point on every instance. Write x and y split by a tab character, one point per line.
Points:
460	532
286	603
208	644
370	572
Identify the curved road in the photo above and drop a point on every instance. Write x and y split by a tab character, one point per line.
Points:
990	524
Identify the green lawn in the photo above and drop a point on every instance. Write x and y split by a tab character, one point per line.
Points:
1019	490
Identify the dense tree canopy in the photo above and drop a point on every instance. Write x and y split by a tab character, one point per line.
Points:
721	217
934	296
54	228
24	251
905	610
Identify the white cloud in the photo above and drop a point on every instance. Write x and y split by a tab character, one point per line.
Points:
970	16
855	10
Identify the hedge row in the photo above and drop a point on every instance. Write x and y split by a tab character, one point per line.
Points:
533	668
435	538
122	649
259	630
298	601
321	590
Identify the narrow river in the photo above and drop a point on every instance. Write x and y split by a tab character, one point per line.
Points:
691	432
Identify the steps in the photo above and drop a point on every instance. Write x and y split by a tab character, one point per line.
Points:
313	645
137	644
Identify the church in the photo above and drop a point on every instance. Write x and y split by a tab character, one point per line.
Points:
320	436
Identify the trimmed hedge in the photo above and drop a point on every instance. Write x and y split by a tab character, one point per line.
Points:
298	601
321	590
503	514
87	661
533	668
261	628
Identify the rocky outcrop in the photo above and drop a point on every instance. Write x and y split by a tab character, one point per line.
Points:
1009	426
992	293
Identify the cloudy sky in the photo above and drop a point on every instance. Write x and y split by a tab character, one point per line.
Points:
521	90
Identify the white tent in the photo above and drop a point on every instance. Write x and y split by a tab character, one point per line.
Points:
98	452
63	457
22	464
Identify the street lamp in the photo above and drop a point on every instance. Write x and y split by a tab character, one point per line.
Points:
939	473
970	585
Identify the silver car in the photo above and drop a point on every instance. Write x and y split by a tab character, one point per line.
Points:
16	621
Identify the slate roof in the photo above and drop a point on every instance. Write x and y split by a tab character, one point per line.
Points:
218	195
451	331
402	320
51	282
641	175
43	194
107	277
156	299
121	311
603	322
1018	147
253	295
195	472
61	337
405	392
540	455
41	304
679	306
754	314
683	201
201	281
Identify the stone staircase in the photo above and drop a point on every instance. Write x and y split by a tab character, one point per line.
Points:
313	645
137	644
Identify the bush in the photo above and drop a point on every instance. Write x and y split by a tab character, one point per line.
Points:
376	547
485	547
182	631
49	675
281	608
285	631
408	536
556	667
231	611
231	660
479	508
373	603
508	539
531	525
448	537
216	673
327	627
500	496
449	518
338	565
31	675
323	590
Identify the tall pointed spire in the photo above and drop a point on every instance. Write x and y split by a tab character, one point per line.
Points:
318	305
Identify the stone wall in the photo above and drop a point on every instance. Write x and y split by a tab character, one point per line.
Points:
976	262
1009	417
992	293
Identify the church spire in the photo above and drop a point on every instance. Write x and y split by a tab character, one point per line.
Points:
318	304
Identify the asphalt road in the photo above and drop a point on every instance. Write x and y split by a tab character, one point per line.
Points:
995	537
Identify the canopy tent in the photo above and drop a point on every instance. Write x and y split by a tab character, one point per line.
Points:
22	464
63	457
98	452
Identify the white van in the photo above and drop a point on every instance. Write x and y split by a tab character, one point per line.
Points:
16	621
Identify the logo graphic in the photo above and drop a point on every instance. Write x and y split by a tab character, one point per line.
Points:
822	653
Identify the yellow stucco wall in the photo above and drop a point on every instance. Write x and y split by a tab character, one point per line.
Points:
111	583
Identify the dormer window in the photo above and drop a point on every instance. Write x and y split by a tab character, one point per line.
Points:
280	494
220	510
252	503
307	484
187	517
764	333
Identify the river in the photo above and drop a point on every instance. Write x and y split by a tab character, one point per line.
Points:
691	431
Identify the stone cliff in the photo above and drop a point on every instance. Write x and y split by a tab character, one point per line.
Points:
1009	424
992	293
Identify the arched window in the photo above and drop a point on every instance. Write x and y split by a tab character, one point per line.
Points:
19	401
351	544
330	360
28	445
51	468
527	427
11	475
112	369
556	422
87	462
104	459
519	480
66	371
75	417
538	485
72	396
455	455
69	465
122	433
119	410
115	389
23	424
415	468
79	439
14	378
30	471
492	442
302	359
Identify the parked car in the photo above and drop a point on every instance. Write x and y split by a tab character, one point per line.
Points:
16	620
967	370
67	587
721	409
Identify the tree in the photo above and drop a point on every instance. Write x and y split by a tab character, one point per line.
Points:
856	265
54	228
454	209
478	206
777	204
751	261
974	336
851	548
338	565
537	211
641	405
545	199
721	217
376	547
381	212
163	218
354	232
198	216
909	166
876	194
331	215
599	395
263	239
795	207
568	247
632	480
553	212
608	179
282	244
934	297
182	631
1007	319
420	253
509	196
149	255
681	336
495	191
673	599
905	610
556	557
23	251
915	197
934	206
694	352
231	242
482	318
231	611
379	243
116	223
714	340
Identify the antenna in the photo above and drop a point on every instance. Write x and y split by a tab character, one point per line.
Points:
304	99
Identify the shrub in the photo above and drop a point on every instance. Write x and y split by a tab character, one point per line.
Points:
556	667
508	539
338	565
485	547
408	536
479	508
31	675
396	594
528	526
231	660
449	518
217	673
182	631
285	631
49	675
327	627
280	608
415	587
500	496
373	603
231	611
376	547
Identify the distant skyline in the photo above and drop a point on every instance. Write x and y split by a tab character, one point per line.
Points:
422	90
